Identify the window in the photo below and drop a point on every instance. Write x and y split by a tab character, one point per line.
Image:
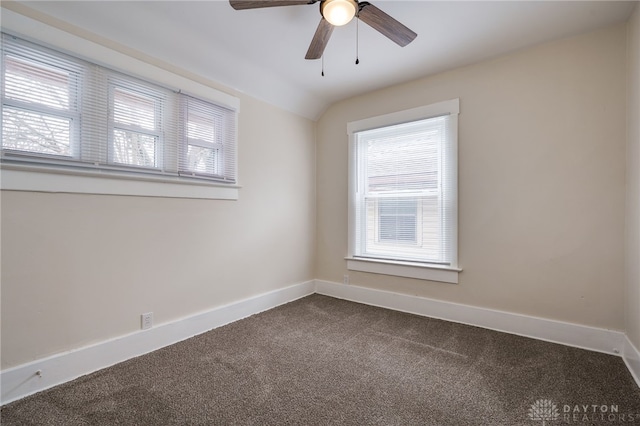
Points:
135	122
40	104
65	115
204	150
403	190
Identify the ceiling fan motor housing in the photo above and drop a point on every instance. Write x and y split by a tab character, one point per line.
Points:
338	12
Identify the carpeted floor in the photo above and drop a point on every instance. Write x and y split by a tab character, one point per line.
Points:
323	361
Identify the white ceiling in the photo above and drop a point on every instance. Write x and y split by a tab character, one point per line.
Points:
261	52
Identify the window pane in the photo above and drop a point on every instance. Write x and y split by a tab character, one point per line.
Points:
398	228
37	83
397	220
34	132
202	160
405	162
136	149
403	228
200	127
134	109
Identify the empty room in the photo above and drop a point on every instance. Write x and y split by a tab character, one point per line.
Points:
313	212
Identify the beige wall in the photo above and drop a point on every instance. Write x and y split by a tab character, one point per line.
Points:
633	182
542	196
80	269
541	180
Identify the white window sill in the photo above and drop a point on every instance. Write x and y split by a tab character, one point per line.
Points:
404	269
51	179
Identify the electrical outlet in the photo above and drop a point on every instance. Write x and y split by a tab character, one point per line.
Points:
146	320
345	279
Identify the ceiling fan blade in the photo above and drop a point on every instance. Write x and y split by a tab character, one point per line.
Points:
257	4
385	24
320	40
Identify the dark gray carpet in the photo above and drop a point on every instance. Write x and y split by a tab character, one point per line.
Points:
321	360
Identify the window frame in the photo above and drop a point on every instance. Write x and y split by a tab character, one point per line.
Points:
62	175
419	270
72	113
215	145
156	133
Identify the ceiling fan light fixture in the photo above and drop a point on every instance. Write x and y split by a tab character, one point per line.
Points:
338	12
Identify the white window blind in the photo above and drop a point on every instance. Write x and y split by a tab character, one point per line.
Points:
40	100
204	152
137	116
405	192
62	111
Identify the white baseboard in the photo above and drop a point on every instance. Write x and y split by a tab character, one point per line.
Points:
631	356
23	380
580	336
568	334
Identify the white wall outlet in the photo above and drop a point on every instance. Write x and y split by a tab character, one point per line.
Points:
146	320
345	279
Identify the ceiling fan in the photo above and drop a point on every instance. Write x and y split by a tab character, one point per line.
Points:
336	13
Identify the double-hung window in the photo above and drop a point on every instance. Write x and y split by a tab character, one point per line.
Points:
40	104
403	193
62	115
204	151
135	125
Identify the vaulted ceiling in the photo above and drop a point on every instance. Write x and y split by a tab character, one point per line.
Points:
261	51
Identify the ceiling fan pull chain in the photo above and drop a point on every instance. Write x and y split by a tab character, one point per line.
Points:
322	66
357	40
